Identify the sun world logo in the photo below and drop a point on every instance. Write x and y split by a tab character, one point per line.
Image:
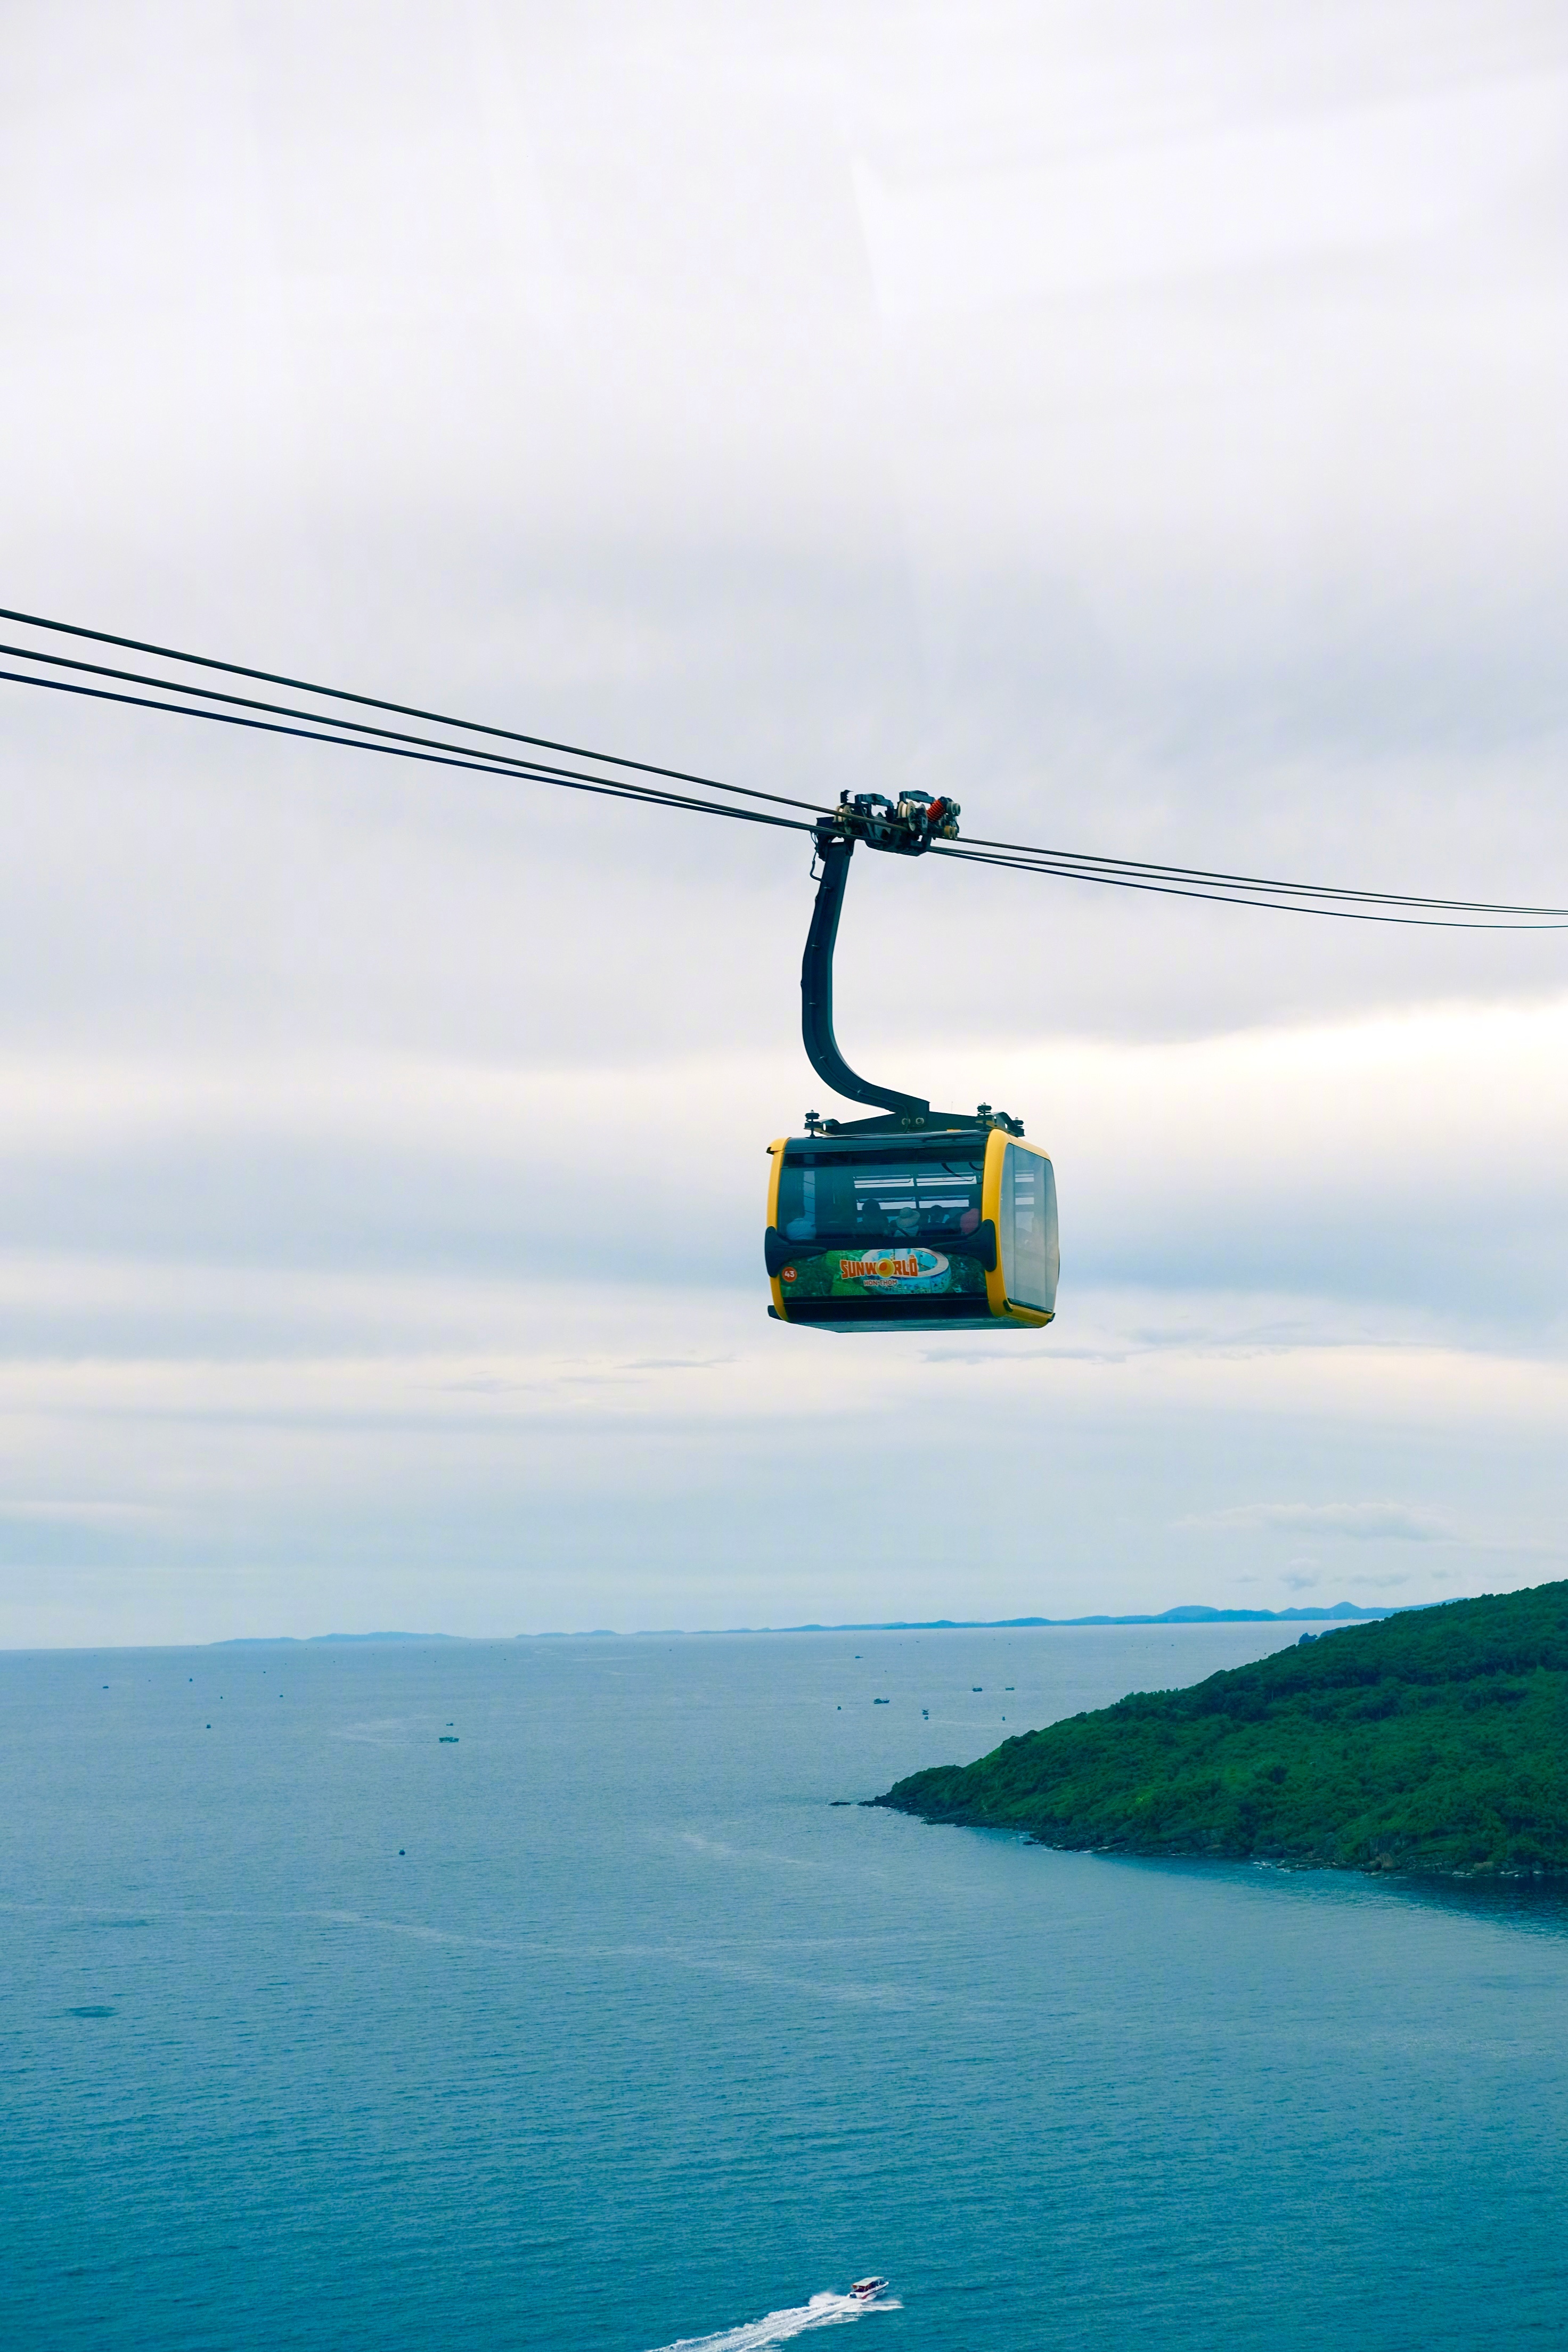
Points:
896	1269
884	1268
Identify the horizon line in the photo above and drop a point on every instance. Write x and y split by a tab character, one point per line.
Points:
1192	1612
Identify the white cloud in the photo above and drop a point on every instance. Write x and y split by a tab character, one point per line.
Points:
1356	1522
1085	214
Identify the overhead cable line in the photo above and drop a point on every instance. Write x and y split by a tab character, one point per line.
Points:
369	701
1063	870
348	730
503	763
474	765
1079	861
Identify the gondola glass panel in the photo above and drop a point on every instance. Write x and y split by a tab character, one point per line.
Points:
1028	1229
839	1199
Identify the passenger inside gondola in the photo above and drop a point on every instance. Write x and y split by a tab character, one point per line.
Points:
840	1200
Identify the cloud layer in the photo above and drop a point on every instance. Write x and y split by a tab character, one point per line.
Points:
1147	432
1354	1522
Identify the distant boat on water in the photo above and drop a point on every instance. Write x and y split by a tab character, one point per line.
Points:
864	2289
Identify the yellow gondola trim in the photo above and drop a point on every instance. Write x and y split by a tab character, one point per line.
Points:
776	1151
991	1206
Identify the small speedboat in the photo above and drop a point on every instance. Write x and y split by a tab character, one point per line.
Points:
864	2289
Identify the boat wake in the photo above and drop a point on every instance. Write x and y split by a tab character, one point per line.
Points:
779	2326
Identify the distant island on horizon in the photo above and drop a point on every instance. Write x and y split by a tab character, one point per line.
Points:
1434	1742
1192	1612
269	1640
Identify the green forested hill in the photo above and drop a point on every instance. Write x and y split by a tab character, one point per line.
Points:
1436	1741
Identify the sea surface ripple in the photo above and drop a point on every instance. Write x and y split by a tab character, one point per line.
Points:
535	1994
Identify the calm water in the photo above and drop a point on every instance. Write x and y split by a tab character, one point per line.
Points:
637	2041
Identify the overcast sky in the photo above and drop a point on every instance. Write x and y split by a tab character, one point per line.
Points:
1142	420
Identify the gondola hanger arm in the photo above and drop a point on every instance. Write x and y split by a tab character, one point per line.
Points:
906	828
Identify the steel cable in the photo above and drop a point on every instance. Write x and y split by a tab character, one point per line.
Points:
1214	885
365	701
505	762
1277	906
474	765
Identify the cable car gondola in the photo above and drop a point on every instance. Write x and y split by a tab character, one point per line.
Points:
921	1219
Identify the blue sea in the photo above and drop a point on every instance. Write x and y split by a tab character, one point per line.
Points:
597	2026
